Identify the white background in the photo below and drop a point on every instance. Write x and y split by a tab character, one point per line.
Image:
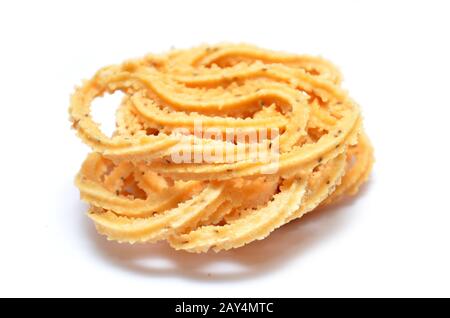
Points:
392	240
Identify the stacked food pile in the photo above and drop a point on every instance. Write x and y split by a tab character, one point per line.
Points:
217	146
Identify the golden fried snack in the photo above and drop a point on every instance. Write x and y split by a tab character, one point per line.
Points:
176	167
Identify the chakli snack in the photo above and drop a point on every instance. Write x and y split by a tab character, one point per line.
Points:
138	189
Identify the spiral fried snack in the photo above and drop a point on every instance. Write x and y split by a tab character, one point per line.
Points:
138	190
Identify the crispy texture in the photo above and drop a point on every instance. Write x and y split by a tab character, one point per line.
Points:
137	193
